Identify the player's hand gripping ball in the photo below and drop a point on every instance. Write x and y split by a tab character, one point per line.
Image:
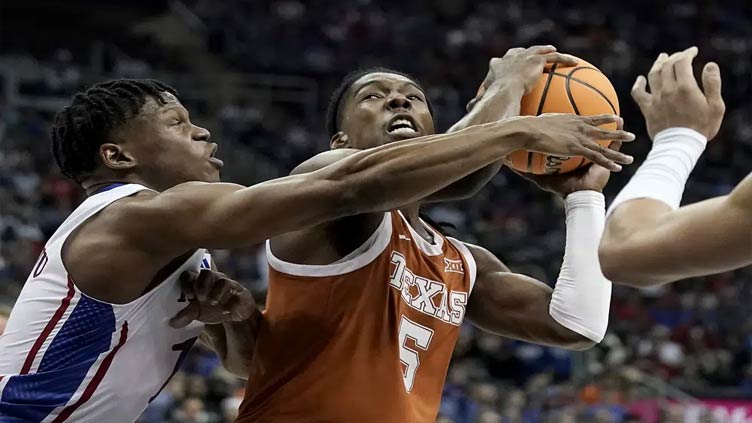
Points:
581	89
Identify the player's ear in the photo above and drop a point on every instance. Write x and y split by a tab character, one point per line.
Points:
339	140
115	157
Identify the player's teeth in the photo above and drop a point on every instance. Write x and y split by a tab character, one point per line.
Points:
403	130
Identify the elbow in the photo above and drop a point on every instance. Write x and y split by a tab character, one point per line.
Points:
617	270
607	256
574	341
580	344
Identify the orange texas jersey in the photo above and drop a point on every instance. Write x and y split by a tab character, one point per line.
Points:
366	339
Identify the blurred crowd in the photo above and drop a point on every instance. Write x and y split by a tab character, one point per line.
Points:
696	334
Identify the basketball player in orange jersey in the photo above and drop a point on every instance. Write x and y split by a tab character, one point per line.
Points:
363	312
650	240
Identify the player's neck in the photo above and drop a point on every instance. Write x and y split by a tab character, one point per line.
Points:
412	215
94	185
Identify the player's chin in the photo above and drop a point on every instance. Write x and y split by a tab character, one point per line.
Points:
213	176
210	174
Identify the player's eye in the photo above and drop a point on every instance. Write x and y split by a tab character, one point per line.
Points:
176	122
415	97
371	96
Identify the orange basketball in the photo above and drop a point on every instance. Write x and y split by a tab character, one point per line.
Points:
580	89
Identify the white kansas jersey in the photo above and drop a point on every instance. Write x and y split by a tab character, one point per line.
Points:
67	357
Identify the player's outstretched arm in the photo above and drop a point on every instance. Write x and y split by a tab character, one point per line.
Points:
648	239
220	215
574	314
647	243
509	78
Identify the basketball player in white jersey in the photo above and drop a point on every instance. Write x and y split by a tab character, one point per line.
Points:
89	338
650	240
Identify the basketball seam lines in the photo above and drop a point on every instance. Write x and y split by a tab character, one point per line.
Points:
569	77
551	74
571	99
569	91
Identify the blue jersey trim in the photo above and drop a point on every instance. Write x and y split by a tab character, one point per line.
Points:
108	187
85	335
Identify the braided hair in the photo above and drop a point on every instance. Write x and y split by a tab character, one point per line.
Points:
335	102
89	121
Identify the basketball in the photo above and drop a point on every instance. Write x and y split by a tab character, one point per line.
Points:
580	89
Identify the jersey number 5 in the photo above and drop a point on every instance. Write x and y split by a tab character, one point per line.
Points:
421	335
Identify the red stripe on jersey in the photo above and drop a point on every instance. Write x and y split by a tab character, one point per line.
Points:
94	384
48	329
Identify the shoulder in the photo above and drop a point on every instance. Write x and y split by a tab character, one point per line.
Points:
486	260
322	160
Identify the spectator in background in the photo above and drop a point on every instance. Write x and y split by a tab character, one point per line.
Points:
192	410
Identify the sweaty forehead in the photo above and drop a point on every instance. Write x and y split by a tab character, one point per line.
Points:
382	78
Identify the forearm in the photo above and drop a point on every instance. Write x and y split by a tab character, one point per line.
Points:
582	295
501	101
406	172
234	343
647	243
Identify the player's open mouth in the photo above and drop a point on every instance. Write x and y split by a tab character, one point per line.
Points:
402	125
214	160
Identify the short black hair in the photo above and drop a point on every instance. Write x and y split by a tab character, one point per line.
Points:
335	102
88	122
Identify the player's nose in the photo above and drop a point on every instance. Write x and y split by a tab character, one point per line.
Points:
201	134
398	101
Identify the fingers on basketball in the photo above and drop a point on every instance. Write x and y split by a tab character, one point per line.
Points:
582	90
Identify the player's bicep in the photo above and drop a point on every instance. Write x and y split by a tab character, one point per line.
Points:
505	302
501	300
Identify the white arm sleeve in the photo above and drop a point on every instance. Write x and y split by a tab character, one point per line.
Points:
582	296
666	169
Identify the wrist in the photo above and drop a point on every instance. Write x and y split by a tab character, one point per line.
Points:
509	85
682	134
501	100
576	192
506	136
585	198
